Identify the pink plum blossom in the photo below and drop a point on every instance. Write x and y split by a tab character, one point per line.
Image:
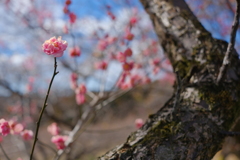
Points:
135	79
111	40
111	15
81	89
27	134
127	66
126	85
128	52
101	65
65	29
121	57
133	20
75	52
68	2
53	129
102	44
129	36
29	86
73	81
156	70
139	123
137	66
59	141
80	94
65	9
54	46
16	128
80	98
72	17
4	127
155	61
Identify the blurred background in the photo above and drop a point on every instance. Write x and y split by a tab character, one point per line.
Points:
113	53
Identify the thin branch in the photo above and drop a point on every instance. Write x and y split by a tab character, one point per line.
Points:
43	107
227	57
5	154
78	126
46	145
228	3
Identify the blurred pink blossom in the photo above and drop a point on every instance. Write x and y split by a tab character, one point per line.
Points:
101	65
75	52
128	52
102	44
53	129
129	36
126	85
54	46
121	57
72	17
59	141
27	134
73	81
65	29
29	86
111	40
155	62
65	9
139	123
80	98
81	89
135	79
127	66
16	128
68	2
4	127
133	20
111	15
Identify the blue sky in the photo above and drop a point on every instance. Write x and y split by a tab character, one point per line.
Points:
97	8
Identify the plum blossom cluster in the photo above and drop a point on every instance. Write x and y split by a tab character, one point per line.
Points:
129	79
57	139
110	13
72	16
13	127
80	89
54	46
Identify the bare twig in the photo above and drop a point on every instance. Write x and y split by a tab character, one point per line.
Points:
78	126
43	107
228	3
46	145
93	106
5	154
227	57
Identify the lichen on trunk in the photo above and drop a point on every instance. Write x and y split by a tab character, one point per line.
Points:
190	125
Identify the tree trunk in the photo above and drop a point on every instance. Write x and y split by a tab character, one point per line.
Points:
192	123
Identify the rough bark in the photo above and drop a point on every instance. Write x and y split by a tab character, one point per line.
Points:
191	124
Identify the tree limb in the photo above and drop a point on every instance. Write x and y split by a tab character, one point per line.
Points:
192	128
